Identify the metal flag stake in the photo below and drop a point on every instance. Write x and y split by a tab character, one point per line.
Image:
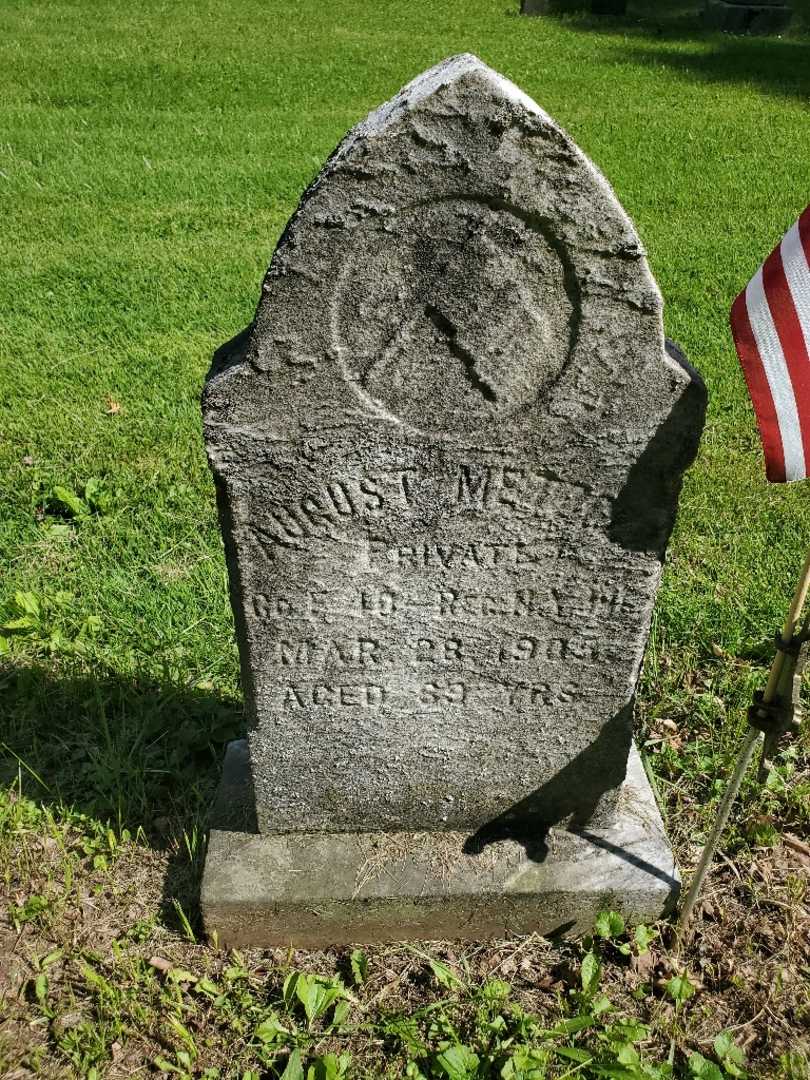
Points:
775	710
770	324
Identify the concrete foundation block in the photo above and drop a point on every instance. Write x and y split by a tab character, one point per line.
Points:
320	889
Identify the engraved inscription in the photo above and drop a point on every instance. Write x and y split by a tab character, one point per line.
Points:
443	693
475	555
530	696
309	602
501	488
326	509
343	506
349	695
360	652
439	652
379	601
460	602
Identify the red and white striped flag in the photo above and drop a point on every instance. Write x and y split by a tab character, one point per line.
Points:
770	323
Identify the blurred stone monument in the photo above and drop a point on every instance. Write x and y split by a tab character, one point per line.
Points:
447	452
748	16
596	7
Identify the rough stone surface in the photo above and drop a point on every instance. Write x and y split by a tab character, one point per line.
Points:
316	889
763	17
448	451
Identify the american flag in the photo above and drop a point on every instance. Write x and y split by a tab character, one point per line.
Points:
770	323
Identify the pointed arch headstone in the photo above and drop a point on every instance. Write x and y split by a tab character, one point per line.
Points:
448	452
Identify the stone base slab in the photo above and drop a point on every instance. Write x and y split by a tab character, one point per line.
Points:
319	889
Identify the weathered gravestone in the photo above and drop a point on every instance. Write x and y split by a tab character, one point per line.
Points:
447	451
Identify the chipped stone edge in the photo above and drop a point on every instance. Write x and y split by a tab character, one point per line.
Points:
627	866
428	83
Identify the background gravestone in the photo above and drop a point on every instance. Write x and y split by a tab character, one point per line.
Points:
747	16
597	7
447	452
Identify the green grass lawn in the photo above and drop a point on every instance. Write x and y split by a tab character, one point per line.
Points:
150	155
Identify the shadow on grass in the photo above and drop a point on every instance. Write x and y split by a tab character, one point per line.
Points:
663	36
771	65
140	754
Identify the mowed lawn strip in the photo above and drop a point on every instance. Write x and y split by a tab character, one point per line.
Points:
150	156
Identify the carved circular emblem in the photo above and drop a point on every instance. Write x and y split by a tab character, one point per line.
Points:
452	314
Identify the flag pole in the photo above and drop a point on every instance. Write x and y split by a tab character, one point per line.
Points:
745	754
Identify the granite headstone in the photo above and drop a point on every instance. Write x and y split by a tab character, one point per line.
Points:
448	452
